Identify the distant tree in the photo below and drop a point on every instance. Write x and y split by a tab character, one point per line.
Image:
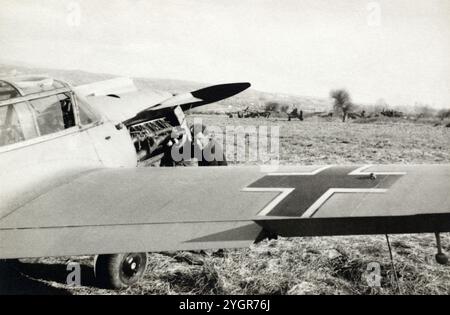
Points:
342	102
424	111
272	106
284	108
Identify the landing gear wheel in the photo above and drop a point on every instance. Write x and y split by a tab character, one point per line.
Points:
120	271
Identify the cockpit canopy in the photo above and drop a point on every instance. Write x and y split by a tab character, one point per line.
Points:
36	106
26	85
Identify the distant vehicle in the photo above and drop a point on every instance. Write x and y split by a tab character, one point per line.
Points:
295	114
392	113
247	113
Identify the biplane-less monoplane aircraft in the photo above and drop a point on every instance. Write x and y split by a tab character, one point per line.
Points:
70	186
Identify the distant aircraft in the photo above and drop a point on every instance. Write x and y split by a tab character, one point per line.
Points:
70	186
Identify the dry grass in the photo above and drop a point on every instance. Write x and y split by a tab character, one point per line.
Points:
320	141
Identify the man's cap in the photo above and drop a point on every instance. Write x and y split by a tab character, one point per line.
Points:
197	128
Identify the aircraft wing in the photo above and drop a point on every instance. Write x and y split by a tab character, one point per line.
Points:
162	209
120	101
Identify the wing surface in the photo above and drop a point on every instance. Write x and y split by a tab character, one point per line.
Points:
160	209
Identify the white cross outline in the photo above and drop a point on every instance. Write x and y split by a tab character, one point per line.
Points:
284	192
359	171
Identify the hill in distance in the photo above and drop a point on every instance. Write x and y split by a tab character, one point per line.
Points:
254	99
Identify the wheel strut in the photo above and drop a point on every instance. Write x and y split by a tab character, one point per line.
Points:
441	258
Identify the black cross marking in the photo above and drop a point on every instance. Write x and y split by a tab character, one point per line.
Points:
307	189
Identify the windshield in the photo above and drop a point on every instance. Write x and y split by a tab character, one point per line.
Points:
16	124
38	117
53	113
87	114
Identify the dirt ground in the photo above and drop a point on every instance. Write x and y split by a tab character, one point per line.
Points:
328	265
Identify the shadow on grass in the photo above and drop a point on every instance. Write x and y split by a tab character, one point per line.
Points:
23	278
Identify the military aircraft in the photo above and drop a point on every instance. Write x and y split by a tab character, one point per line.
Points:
70	185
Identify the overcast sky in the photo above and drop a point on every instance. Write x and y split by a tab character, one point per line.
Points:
394	49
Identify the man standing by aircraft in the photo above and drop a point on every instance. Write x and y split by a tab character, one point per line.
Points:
203	150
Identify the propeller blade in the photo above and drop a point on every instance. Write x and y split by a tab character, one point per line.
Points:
203	96
216	93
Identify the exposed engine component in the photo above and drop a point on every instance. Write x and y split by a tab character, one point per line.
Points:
149	137
154	131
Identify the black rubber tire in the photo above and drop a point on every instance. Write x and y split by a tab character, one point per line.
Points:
116	271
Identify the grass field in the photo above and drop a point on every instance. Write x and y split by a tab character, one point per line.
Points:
320	141
329	265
